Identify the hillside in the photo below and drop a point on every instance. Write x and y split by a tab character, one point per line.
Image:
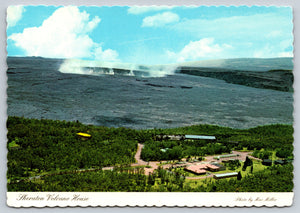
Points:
281	80
47	155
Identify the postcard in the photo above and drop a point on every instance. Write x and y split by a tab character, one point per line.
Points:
150	106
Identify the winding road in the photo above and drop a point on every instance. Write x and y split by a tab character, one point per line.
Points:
153	165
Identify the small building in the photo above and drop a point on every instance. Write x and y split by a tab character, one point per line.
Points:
176	137
280	162
169	137
197	169
221	167
199	137
184	137
226	156
229	160
225	175
212	168
202	168
267	162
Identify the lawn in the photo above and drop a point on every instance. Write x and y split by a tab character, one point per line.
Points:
257	166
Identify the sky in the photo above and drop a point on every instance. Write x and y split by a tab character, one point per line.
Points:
150	34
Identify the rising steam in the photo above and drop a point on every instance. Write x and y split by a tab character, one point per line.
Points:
85	67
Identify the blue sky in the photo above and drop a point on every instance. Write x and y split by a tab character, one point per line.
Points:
150	35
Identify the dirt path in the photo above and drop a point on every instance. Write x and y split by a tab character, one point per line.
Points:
137	157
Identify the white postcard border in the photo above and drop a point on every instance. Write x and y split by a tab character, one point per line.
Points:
284	199
141	199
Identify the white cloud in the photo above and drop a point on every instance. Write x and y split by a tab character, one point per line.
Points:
197	50
106	55
259	25
267	39
65	34
271	51
136	10
14	14
160	19
286	54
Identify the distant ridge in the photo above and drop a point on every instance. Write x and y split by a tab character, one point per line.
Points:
245	64
275	79
265	73
242	64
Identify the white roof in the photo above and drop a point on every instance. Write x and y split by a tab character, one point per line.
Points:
226	174
203	137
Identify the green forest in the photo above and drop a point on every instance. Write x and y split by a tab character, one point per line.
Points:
44	145
263	139
48	155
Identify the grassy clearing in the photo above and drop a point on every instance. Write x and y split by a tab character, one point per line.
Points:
257	167
13	144
245	149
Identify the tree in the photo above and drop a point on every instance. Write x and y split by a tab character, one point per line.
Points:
151	179
284	153
248	162
239	176
234	164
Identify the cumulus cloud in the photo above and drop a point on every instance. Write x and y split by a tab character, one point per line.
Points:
106	55
271	51
136	10
267	38
197	50
160	19
65	34
239	26
14	14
